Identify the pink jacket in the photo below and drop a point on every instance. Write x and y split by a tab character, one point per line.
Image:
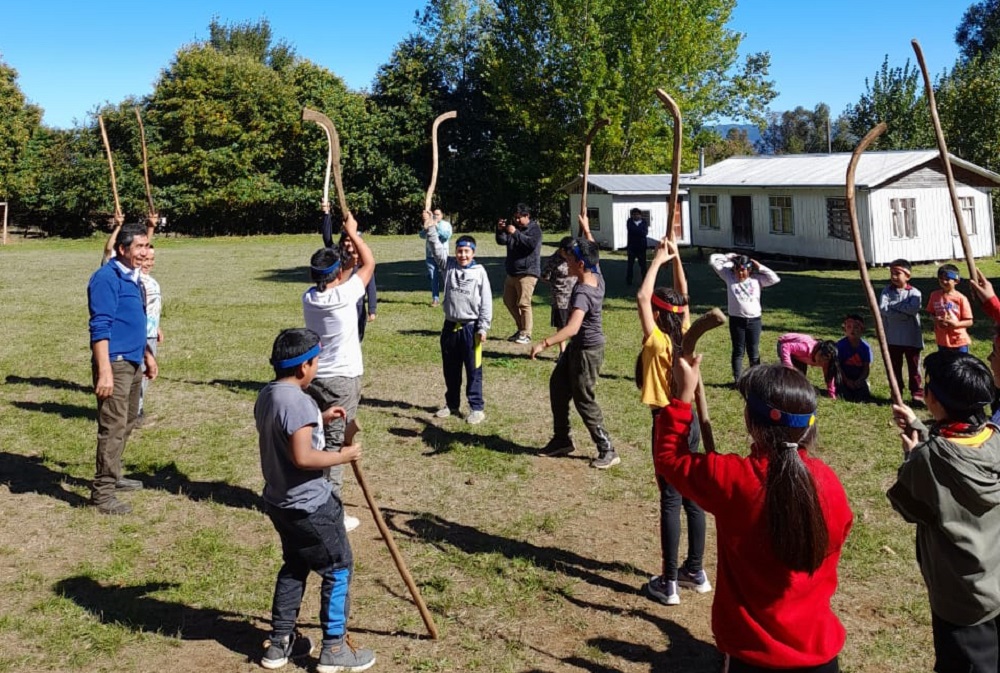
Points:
799	347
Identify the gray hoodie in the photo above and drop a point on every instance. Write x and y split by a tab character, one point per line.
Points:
467	293
952	493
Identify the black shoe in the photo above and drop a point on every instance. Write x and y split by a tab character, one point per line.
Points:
126	484
558	446
114	507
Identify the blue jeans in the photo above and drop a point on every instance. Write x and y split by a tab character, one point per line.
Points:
458	352
434	274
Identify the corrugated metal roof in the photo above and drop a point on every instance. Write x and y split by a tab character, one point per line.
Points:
657	183
820	170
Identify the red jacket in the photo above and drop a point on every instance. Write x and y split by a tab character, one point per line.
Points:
763	614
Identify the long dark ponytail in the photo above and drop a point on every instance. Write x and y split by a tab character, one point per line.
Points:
779	398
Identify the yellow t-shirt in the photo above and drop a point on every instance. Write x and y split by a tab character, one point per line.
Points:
657	364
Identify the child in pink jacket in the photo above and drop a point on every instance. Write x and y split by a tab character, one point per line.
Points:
800	351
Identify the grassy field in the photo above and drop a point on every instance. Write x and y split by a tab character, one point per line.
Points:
527	563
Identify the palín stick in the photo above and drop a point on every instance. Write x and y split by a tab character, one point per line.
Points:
714	318
434	161
970	260
598	125
119	217
701	401
859	254
152	216
332	158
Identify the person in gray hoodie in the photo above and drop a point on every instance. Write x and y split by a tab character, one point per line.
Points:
468	313
949	486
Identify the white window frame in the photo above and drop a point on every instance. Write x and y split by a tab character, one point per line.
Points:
904	218
708	211
594	218
841	228
781	216
968	207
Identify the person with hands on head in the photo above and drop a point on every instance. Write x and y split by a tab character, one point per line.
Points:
781	518
949	486
523	240
467	303
664	314
120	358
576	373
303	508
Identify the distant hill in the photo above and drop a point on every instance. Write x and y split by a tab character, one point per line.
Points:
753	133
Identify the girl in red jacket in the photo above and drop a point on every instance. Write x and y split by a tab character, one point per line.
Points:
781	518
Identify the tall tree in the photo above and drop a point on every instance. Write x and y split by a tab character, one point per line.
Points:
979	31
18	121
798	131
968	101
895	96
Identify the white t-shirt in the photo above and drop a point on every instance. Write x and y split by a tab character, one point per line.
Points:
333	315
154	304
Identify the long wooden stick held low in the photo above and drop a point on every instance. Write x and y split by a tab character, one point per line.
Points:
332	158
588	141
970	260
434	161
714	318
119	217
397	558
151	214
859	254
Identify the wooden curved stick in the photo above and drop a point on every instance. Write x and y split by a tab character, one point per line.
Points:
970	260
598	125
434	160
710	320
119	217
151	214
675	173
397	558
859	254
332	158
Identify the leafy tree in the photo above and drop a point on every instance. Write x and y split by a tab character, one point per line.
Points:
979	31
736	143
18	121
968	102
798	131
895	96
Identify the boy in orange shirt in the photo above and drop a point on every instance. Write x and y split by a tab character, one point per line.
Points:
952	312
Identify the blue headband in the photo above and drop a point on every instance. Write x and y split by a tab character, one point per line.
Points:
328	270
465	243
765	413
298	359
950	275
579	257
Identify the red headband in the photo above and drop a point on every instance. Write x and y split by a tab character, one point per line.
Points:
664	306
901	269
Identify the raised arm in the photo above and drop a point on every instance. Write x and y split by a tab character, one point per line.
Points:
438	249
109	246
644	297
365	257
585	227
765	276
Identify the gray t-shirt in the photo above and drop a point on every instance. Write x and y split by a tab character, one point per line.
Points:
281	410
589	300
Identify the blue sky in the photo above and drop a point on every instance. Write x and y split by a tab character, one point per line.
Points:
74	56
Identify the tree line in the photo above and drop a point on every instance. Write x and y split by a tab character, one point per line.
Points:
229	154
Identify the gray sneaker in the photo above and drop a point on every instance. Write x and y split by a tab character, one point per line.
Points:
114	507
522	338
476	417
605	460
279	650
126	484
445	412
342	655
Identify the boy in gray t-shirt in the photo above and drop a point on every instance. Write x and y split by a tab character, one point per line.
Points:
576	372
307	516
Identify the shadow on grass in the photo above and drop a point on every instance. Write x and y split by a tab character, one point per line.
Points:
62	410
170	479
437	530
234	385
419	332
46	382
27	474
395	404
439	440
134	608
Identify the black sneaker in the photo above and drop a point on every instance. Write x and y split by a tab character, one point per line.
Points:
125	484
605	460
342	655
514	336
279	650
558	446
114	507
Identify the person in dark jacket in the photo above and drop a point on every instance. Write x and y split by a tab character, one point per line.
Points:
523	240
638	229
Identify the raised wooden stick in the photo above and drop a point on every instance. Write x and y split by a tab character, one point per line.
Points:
151	215
598	125
970	260
434	160
332	158
675	173
119	217
859	254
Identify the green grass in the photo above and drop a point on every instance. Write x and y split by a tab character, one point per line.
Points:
526	563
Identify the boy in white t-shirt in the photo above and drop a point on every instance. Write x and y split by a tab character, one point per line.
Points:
154	306
330	310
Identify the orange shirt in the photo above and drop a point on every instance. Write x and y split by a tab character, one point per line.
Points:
955	305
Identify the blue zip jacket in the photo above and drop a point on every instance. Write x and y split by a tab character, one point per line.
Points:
117	313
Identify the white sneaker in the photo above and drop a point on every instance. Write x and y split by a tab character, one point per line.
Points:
476	417
351	522
445	412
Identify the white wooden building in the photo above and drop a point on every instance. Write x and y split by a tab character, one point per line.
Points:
611	198
796	205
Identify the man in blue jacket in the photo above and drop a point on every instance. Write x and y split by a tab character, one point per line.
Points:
118	345
637	229
523	240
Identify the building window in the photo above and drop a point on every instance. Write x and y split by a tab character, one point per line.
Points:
781	215
594	218
968	206
904	218
708	211
838	221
